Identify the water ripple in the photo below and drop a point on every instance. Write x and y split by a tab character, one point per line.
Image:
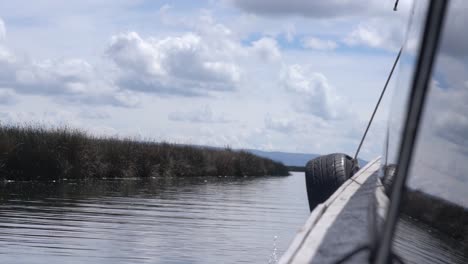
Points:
218	221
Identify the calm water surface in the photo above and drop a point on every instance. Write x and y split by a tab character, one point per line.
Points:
202	220
198	220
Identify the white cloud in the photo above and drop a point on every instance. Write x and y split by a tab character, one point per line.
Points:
195	63
205	115
189	64
266	49
388	32
298	79
319	44
70	80
132	53
2	30
315	95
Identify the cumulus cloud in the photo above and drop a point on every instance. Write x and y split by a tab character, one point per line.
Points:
134	54
185	65
319	9
315	95
319	44
190	64
266	49
380	26
389	30
205	115
71	80
206	60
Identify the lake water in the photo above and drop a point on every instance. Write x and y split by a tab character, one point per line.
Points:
201	220
198	220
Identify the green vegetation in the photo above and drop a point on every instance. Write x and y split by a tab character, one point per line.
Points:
37	153
447	217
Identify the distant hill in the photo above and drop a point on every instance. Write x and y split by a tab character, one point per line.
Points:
289	158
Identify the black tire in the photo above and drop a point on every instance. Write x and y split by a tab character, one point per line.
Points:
325	174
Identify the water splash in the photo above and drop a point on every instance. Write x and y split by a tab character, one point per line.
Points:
274	255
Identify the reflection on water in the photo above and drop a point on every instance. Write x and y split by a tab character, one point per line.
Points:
418	243
202	220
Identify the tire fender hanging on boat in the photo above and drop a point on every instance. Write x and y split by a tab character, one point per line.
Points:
325	174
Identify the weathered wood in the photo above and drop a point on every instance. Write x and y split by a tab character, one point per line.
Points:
338	225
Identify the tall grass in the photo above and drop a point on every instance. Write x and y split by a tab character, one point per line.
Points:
37	153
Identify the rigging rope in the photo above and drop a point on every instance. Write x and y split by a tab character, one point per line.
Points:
378	103
396	5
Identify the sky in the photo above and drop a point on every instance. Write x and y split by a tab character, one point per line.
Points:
296	76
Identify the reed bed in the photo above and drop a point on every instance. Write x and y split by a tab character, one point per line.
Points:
32	152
